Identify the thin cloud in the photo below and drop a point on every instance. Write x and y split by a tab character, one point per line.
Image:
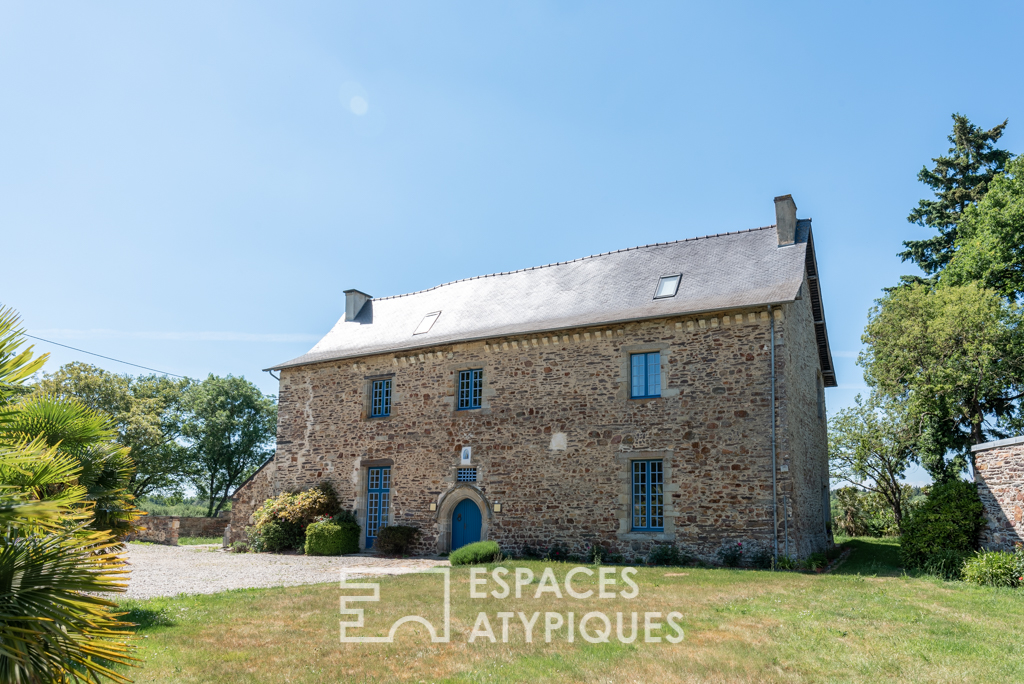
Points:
211	336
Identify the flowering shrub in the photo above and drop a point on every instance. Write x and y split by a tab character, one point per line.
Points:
281	522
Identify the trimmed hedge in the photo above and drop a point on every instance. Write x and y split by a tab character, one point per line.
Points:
395	540
332	539
475	553
951	518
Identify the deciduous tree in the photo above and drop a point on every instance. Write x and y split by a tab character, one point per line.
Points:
955	356
990	247
871	445
230	426
146	412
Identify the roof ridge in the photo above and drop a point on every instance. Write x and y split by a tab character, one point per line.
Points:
571	261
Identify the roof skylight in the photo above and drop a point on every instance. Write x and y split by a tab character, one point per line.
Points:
426	323
668	286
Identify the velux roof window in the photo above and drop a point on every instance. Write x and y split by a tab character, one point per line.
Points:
426	323
668	286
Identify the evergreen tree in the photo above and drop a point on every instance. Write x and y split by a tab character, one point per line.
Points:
959	179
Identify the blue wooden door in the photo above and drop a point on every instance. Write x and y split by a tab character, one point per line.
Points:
378	502
466	522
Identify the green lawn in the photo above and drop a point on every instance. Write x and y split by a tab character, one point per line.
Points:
195	541
740	626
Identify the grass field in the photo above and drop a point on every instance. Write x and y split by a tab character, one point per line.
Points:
867	622
195	541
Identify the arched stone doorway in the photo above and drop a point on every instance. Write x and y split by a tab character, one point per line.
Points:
450	500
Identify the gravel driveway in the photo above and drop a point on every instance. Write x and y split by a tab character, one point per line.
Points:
159	570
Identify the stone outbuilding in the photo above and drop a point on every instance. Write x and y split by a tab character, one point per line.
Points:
671	393
999	474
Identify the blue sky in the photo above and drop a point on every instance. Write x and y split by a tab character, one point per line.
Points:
191	186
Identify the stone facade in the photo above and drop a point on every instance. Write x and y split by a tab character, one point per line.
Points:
557	431
999	474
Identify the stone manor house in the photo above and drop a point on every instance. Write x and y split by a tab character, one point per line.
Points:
666	393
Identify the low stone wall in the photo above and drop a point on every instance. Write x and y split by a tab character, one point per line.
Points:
999	473
161	529
202	527
166	529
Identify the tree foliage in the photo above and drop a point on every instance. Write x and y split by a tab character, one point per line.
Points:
871	445
56	626
959	179
87	438
230	427
990	247
949	519
955	357
146	412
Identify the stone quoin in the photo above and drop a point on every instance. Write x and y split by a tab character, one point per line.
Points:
597	378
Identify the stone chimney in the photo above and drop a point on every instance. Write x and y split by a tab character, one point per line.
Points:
354	300
785	220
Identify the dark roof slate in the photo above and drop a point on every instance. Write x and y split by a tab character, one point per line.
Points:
723	271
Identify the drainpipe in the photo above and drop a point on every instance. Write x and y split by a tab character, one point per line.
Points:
775	495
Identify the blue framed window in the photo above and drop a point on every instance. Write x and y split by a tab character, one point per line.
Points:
645	375
466	475
380	398
648	496
378	502
471	388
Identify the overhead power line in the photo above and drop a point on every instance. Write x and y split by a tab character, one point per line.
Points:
109	358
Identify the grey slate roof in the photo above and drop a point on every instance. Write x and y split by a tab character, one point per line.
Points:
725	271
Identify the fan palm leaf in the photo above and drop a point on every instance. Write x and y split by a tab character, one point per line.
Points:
53	625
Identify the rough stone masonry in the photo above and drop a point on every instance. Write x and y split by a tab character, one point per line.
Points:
553	441
557	430
999	474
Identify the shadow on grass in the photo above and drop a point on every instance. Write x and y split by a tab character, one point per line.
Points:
871	556
144	617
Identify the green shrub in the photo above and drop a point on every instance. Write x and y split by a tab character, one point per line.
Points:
557	553
1018	557
785	563
323	539
762	558
731	554
239	547
947	564
272	537
292	513
951	517
475	553
666	554
992	569
815	561
395	540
